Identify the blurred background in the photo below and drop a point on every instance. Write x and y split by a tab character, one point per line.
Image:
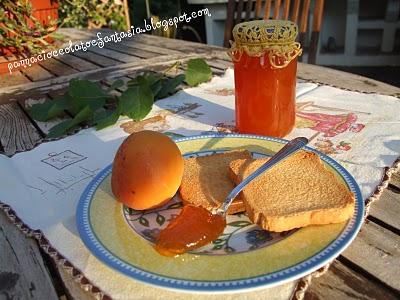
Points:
358	36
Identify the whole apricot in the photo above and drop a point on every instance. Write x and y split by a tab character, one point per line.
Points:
147	170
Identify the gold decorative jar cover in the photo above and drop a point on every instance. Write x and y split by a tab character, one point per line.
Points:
275	37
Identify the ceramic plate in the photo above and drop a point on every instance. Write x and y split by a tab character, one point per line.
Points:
244	257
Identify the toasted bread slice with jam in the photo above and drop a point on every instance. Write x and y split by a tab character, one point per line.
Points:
297	192
206	180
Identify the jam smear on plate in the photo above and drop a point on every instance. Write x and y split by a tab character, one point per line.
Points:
193	228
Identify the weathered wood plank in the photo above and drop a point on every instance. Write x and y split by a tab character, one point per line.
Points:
353	82
108	81
345	80
131	51
16	131
19	91
148	39
97	59
184	46
23	274
57	68
77	63
340	282
15	78
132	43
122	57
220	64
156	49
36	73
387	208
305	71
376	250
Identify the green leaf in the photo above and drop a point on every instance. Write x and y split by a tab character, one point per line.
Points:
58	130
106	118
48	110
136	102
169	85
83	89
197	72
152	78
84	115
116	85
148	78
155	88
84	93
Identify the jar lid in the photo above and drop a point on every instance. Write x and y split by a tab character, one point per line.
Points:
278	37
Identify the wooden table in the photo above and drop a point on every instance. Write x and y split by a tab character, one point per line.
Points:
368	269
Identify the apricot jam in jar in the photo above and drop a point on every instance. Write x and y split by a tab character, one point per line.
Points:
265	53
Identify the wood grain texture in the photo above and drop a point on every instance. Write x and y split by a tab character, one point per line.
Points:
57	67
144	50
23	274
150	48
183	46
99	60
220	64
387	208
337	78
16	92
16	131
341	282
16	77
139	53
121	57
345	80
376	250
36	73
77	63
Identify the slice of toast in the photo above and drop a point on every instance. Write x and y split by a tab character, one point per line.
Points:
297	192
206	181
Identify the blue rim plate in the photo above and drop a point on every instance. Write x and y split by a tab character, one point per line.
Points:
95	244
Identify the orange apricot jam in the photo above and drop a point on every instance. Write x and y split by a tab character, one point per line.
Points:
265	53
264	96
193	228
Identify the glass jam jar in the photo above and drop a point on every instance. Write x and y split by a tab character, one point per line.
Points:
265	53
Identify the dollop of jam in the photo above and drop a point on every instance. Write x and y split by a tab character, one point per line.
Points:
193	228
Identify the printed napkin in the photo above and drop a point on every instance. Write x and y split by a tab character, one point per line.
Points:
43	185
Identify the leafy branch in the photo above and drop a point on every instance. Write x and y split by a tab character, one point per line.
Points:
85	100
21	31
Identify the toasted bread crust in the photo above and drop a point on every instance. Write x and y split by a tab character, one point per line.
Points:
206	180
298	192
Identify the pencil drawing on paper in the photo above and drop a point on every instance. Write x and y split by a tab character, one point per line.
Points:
63	159
65	183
